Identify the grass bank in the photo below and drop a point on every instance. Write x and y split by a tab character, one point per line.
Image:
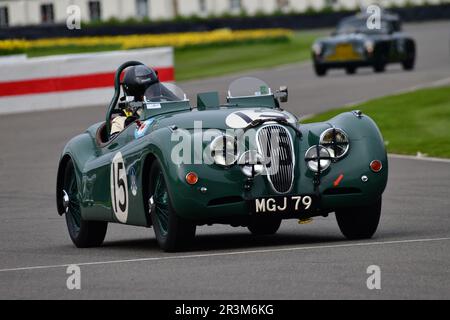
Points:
195	63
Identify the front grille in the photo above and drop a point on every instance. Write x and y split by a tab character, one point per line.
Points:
275	143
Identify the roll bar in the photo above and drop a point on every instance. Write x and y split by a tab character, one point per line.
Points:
115	98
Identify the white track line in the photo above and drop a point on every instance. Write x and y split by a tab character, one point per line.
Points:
427	85
401	156
223	254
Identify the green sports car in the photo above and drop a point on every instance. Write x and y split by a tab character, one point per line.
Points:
245	162
354	45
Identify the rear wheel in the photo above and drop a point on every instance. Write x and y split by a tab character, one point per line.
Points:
172	232
84	234
359	222
320	70
264	225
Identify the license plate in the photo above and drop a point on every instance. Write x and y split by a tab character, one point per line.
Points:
344	52
288	204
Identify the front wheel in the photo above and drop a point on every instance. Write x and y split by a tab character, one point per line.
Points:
84	234
320	70
173	233
359	222
380	59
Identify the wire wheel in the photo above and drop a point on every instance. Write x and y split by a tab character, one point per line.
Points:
73	213
84	234
161	200
172	232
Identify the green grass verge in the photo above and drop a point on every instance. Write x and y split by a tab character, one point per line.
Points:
195	63
411	122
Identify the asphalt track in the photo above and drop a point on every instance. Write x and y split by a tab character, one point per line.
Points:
314	261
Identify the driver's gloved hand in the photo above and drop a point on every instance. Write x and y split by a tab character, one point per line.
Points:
117	125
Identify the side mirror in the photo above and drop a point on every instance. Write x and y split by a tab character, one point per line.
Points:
282	95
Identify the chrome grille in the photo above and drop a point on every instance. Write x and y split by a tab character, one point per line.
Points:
275	143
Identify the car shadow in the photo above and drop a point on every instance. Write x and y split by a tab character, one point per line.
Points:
363	72
249	241
228	241
245	241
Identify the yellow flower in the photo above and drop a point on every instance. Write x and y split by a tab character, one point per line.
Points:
177	40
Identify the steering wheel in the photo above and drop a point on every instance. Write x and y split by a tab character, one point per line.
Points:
115	98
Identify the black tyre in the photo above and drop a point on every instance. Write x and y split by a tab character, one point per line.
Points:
408	65
172	232
359	222
84	234
320	70
380	58
410	61
350	70
264	225
379	66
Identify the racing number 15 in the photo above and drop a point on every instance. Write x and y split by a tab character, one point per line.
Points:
119	188
120	185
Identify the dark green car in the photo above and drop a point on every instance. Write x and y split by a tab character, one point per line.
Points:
355	45
246	162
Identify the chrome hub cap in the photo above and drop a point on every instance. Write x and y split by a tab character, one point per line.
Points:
65	201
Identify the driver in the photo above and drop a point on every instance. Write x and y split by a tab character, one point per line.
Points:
136	81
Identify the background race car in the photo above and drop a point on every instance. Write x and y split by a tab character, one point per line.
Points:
354	45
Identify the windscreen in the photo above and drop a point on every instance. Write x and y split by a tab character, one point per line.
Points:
248	87
164	92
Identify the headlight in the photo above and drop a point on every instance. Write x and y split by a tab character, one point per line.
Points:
312	158
369	46
317	48
224	150
252	163
336	141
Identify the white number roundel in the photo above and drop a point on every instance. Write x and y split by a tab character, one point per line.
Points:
119	188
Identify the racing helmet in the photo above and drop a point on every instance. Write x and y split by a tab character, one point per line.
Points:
138	79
